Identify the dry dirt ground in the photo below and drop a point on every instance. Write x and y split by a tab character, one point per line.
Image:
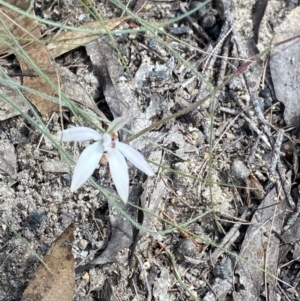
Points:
226	173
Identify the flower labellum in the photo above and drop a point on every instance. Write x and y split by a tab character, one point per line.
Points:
116	153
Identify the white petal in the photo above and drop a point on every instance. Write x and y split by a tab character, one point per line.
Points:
135	157
119	122
86	164
106	141
119	172
78	134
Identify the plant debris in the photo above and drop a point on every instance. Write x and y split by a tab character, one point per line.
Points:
34	57
55	277
220	218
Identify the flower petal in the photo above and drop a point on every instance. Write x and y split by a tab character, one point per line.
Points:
119	122
135	157
119	172
79	133
106	141
86	164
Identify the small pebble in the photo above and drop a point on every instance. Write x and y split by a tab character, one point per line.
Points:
181	30
53	208
147	265
221	272
81	17
36	218
152	44
84	254
268	102
261	103
86	276
248	129
208	21
185	247
265	93
132	36
83	244
240	170
201	12
200	140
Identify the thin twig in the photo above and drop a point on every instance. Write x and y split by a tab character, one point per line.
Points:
257	130
177	275
285	184
199	29
276	152
229	239
268	245
183	233
149	297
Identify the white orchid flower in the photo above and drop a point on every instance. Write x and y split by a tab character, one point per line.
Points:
116	151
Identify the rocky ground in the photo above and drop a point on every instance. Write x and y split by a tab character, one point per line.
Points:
223	204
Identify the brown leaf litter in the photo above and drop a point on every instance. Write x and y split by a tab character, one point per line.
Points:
56	282
25	33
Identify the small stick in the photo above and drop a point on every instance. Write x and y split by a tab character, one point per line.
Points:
229	239
228	110
261	117
149	297
40	141
184	234
254	148
238	101
285	184
177	274
256	130
224	63
217	49
276	152
207	69
199	29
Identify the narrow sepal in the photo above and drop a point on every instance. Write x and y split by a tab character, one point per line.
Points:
78	134
119	172
119	122
86	164
135	157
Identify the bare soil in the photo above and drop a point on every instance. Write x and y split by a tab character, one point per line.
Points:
245	221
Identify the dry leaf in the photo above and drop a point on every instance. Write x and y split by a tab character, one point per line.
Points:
108	70
6	110
75	91
69	40
26	31
8	158
285	67
261	247
59	285
121	237
16	24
